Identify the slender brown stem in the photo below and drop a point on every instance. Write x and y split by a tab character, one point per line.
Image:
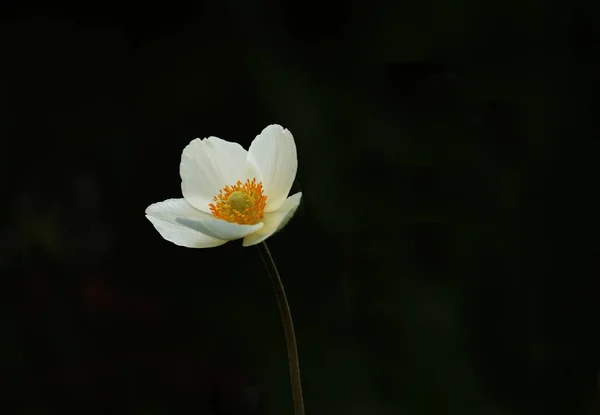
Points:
288	327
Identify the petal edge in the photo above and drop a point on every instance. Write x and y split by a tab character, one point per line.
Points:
163	216
220	229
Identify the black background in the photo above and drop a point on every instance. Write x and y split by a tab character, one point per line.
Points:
444	258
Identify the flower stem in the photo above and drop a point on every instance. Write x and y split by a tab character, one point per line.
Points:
288	327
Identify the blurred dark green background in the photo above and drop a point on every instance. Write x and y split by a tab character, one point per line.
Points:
444	259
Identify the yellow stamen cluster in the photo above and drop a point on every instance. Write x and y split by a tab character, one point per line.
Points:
242	203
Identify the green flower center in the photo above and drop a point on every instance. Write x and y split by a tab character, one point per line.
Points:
240	201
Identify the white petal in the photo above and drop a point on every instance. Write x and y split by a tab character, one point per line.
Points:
163	216
209	165
273	154
220	229
274	221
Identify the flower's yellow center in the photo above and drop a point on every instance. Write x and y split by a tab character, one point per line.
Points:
242	203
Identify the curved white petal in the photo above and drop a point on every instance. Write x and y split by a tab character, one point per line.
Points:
163	216
209	165
274	221
218	228
273	154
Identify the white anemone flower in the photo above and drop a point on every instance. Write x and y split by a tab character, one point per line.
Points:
230	193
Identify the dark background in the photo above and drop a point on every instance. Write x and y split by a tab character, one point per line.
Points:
444	258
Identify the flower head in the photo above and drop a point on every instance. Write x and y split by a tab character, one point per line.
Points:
230	193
